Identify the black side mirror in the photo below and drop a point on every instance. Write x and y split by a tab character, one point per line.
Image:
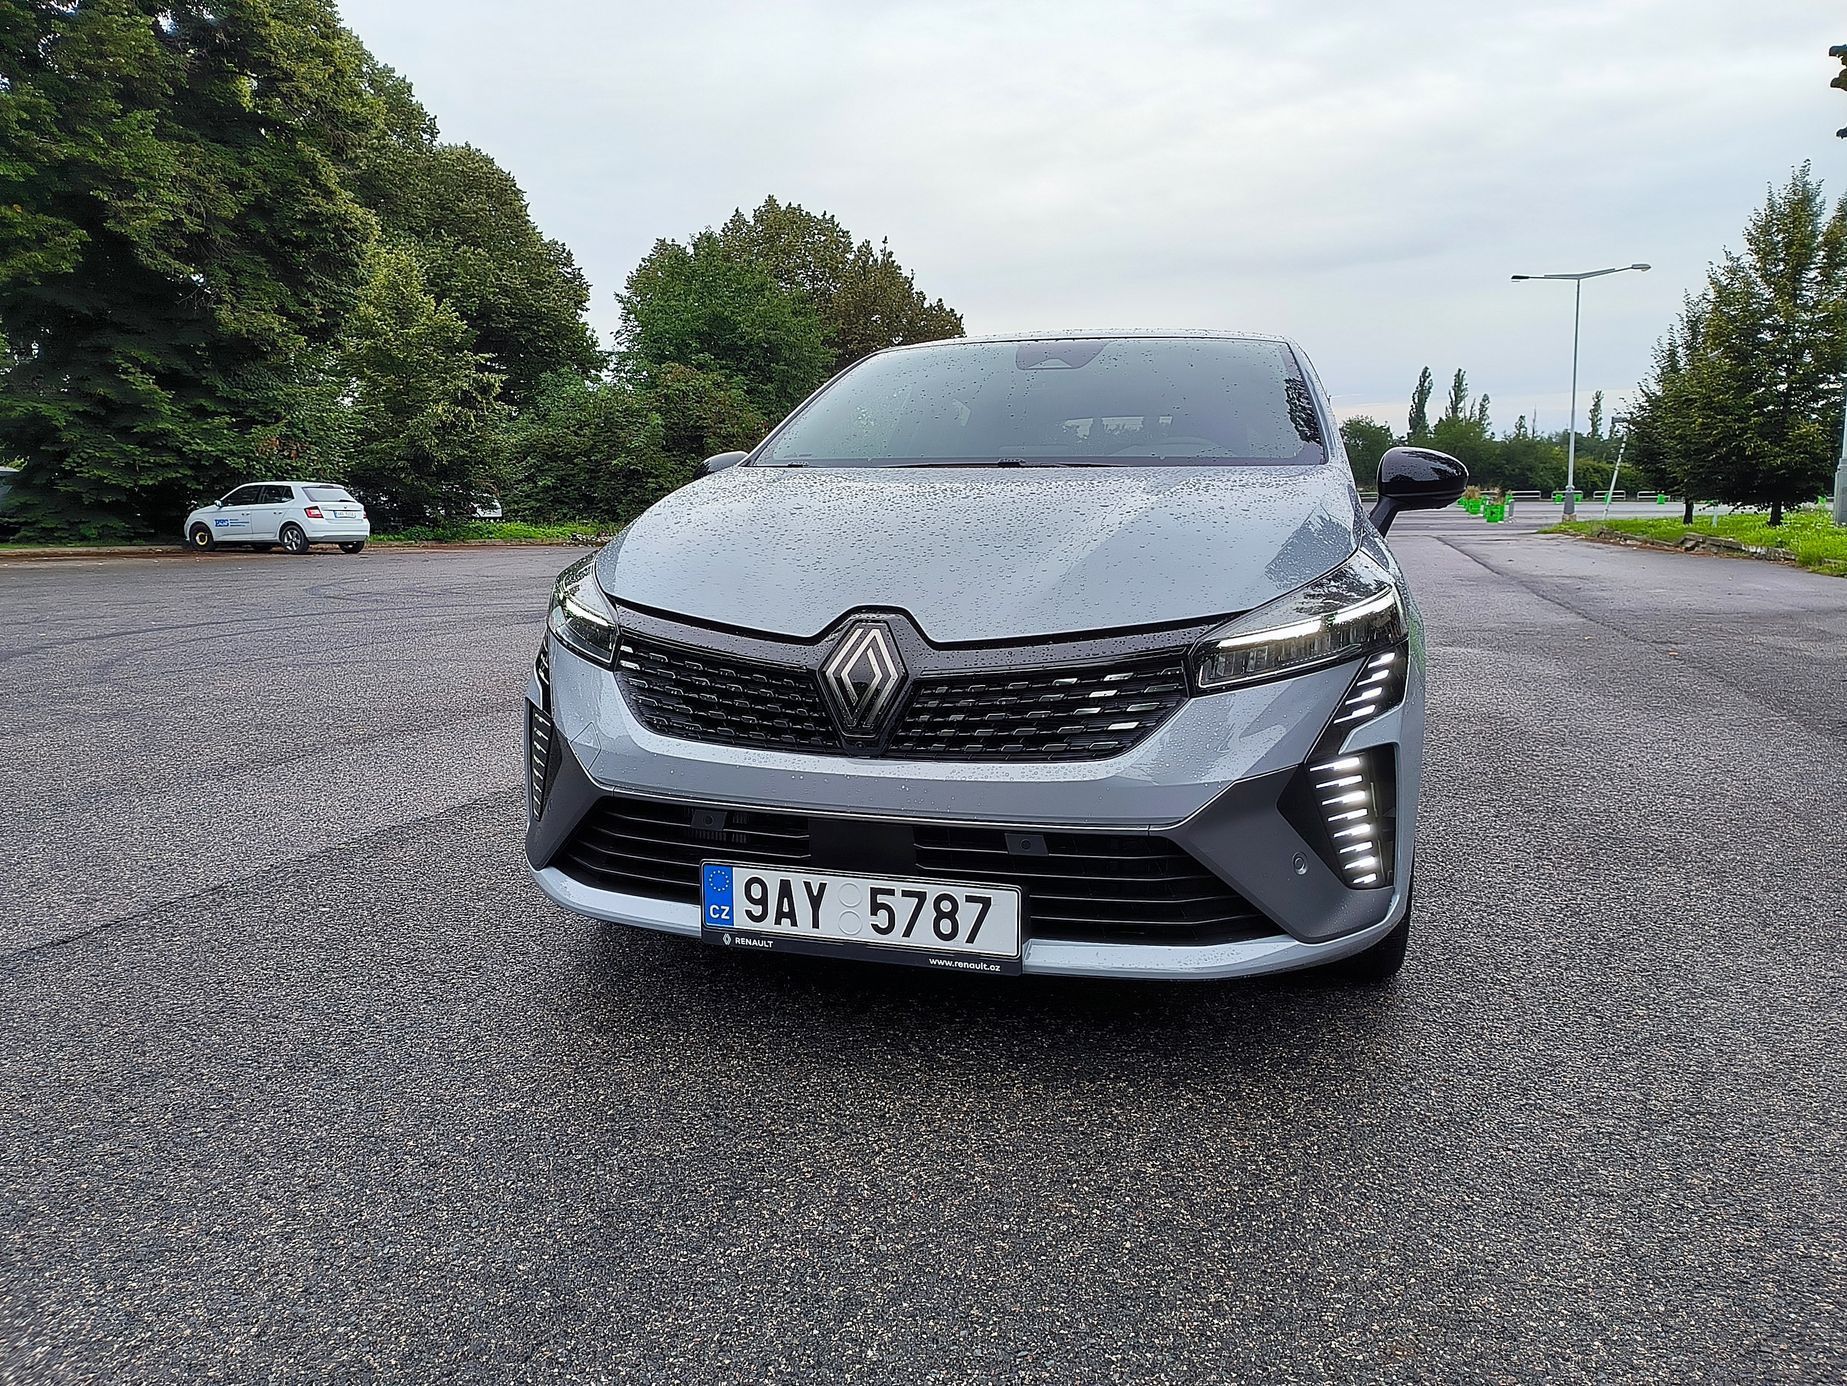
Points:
723	461
1416	479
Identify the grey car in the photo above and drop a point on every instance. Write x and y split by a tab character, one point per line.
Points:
1075	655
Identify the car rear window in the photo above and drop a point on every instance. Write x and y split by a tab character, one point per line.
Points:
327	493
1099	401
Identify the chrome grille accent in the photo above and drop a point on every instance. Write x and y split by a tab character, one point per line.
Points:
538	758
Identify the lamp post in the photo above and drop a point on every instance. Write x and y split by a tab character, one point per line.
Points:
1577	313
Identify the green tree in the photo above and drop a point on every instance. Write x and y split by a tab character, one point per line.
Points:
174	238
1456	407
1750	410
521	292
866	300
1662	423
1366	441
423	427
706	306
1596	417
1418	427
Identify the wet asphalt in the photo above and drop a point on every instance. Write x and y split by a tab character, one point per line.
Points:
300	1078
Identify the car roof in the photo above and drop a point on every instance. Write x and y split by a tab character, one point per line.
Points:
1083	333
280	481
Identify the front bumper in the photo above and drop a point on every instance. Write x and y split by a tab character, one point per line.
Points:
1210	780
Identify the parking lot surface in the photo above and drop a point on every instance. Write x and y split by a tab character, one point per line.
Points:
302	1079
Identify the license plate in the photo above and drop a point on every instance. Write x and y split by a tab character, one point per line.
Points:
942	924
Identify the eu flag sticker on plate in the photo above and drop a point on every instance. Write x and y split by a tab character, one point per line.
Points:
718	897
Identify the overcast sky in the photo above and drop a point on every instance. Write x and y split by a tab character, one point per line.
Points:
1361	175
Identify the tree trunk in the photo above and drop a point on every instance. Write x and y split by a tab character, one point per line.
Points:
1776	513
1686	512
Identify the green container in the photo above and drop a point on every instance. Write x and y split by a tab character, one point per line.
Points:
1472	504
1495	512
1660	498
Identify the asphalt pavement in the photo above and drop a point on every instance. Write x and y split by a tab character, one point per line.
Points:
301	1079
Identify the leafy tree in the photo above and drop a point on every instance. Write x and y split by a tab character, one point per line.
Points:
424	417
867	300
1596	417
706	306
1418	429
607	450
174	237
1366	440
521	293
1465	438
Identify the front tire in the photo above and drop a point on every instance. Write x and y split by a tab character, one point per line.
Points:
199	539
353	547
294	539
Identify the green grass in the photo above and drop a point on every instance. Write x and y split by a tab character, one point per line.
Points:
1809	534
497	531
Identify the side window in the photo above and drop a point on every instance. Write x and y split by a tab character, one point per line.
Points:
245	495
280	495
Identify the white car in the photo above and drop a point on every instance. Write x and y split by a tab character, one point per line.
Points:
294	514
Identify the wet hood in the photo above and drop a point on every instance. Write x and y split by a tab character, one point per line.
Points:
976	554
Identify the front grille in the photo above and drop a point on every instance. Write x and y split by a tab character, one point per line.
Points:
1078	886
645	847
702	696
1040	714
1098	887
1068	712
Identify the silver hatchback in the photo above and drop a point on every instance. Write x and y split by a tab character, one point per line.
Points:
1073	655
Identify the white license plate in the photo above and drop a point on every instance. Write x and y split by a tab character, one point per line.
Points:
942	924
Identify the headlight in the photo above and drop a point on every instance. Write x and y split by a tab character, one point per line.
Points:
581	616
1335	618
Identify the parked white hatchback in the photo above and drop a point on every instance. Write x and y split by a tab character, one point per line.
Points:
294	514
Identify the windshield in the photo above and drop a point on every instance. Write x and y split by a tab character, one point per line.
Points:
1122	401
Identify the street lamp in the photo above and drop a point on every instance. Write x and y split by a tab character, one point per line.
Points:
1577	312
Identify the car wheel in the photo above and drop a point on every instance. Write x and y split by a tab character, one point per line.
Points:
353	547
1379	963
199	539
294	539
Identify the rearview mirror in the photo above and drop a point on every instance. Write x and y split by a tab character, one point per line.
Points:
723	460
1416	479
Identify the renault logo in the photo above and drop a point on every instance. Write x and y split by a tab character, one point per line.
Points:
863	678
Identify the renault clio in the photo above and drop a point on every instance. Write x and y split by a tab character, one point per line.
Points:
1066	655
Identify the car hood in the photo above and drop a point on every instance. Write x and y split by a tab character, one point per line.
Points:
978	554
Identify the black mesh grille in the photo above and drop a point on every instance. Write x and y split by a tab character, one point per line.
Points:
703	696
1075	712
1087	887
1040	714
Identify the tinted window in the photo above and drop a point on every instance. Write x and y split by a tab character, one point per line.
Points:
278	495
331	494
245	495
1122	401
